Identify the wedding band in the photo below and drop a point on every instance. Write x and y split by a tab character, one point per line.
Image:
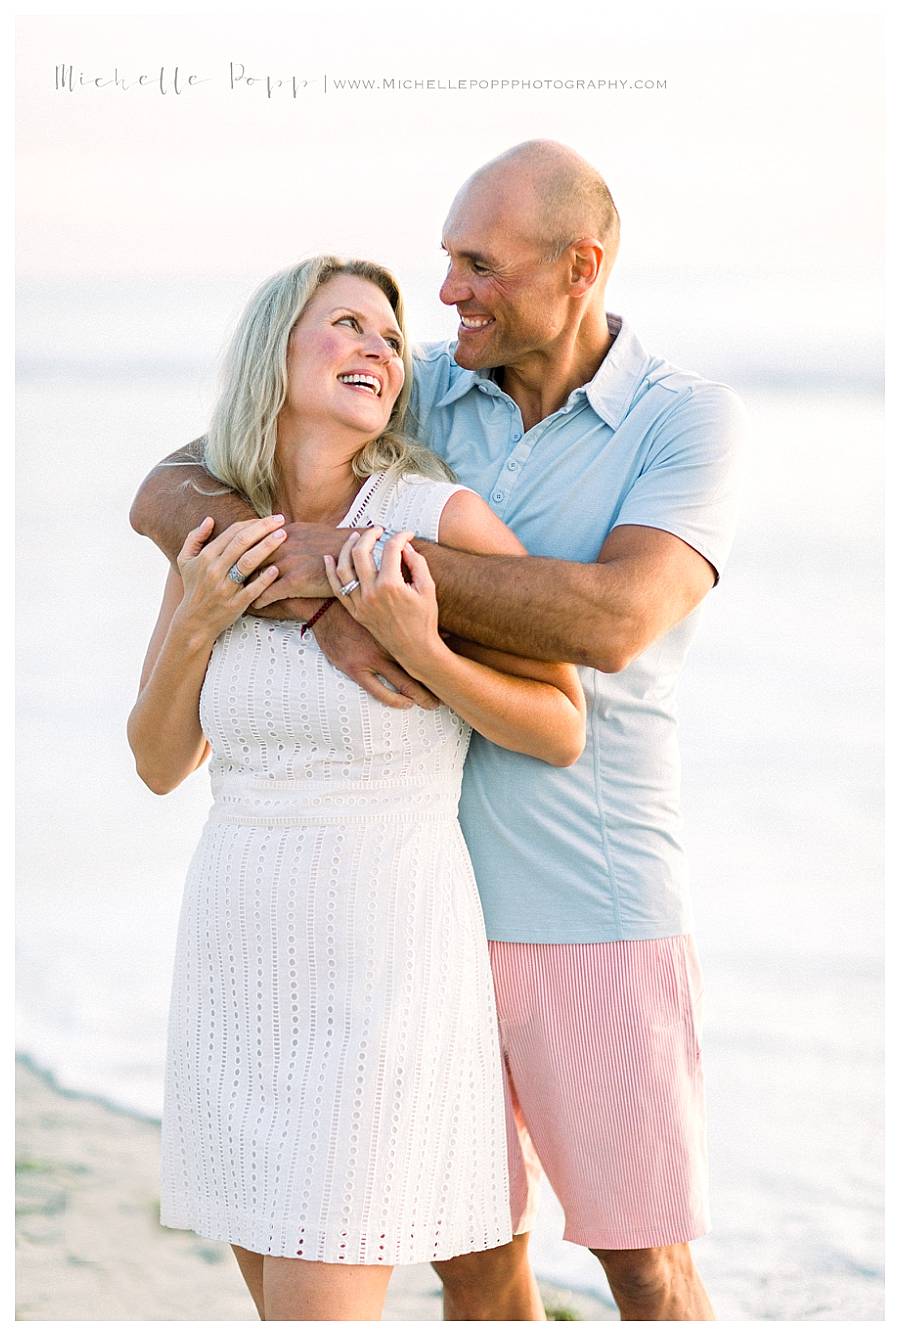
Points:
235	575
349	587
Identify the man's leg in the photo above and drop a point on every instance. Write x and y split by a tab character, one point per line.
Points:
493	1286
602	1042
498	1285
656	1284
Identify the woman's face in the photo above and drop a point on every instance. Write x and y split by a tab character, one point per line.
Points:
344	357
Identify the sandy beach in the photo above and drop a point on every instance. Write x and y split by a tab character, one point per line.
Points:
89	1245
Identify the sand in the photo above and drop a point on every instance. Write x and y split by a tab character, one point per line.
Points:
89	1245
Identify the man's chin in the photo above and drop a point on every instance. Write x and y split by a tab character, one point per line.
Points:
474	358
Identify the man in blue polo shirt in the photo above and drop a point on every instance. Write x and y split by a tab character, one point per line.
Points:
618	473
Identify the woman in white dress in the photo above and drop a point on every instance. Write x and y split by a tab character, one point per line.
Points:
333	1101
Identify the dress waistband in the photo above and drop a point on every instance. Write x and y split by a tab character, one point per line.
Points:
256	801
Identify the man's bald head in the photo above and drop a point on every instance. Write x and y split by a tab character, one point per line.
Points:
556	195
530	239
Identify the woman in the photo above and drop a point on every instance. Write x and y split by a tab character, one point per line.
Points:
333	1101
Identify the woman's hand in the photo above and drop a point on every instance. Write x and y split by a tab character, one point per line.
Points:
402	617
212	599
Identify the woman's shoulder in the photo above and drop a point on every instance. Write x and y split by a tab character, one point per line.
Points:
468	522
413	501
446	512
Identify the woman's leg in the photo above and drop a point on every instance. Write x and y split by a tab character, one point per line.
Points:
297	1291
251	1265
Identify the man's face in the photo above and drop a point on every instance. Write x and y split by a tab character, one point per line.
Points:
510	303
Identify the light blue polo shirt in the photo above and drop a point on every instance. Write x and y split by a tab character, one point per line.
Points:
591	853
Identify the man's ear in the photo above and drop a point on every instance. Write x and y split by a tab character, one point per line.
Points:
586	257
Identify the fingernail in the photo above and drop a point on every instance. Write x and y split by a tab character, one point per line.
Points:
278	518
279	533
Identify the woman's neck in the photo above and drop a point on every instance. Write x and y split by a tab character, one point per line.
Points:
316	482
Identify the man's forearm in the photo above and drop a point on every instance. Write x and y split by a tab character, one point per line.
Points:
178	494
539	607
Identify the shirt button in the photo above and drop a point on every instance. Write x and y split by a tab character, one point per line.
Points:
517	436
512	465
497	496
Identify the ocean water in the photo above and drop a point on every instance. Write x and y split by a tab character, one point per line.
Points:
781	737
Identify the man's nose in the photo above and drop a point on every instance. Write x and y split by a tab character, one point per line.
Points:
454	289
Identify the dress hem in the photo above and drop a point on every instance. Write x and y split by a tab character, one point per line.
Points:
250	1240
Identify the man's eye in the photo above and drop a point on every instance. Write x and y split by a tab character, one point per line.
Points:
480	268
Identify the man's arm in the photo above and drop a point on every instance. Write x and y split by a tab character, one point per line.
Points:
601	615
652	570
178	494
673	530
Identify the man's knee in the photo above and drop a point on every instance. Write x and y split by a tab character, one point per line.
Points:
489	1270
641	1273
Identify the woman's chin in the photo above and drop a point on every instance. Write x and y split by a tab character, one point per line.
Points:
368	418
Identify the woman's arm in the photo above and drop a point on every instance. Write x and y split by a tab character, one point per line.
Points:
526	706
164	727
199	602
541	713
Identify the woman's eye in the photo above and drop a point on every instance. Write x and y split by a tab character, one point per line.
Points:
396	345
348	320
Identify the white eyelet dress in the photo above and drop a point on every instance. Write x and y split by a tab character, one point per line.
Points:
333	1082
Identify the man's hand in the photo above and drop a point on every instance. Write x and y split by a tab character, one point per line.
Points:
355	652
301	570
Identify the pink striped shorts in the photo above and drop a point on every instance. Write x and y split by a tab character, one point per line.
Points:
604	1087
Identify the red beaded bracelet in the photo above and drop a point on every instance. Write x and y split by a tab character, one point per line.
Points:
316	615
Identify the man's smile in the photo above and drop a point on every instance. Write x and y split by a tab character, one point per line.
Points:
473	324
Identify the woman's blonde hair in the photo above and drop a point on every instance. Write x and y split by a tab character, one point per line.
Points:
240	443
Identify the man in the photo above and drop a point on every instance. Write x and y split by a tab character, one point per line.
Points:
618	473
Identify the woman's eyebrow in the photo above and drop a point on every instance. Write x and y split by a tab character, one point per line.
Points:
360	315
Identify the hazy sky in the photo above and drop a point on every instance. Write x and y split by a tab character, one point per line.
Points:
760	158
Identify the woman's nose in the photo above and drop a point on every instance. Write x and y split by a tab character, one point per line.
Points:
379	348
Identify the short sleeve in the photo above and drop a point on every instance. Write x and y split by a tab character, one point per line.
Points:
691	481
417	503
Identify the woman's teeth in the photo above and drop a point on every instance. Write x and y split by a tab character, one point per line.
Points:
367	382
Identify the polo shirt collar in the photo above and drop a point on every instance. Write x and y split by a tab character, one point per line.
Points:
610	392
463	381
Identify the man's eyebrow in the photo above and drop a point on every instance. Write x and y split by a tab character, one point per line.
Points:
478	256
